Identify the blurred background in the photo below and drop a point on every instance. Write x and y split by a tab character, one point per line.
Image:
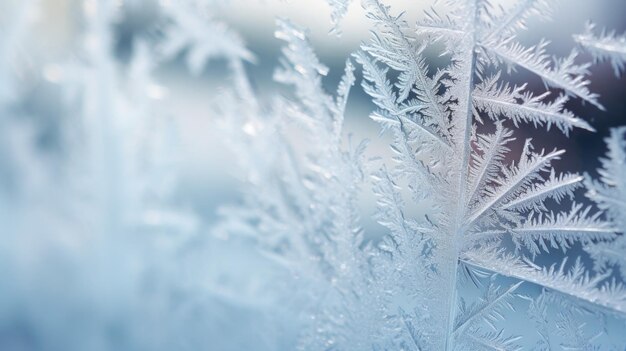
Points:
67	287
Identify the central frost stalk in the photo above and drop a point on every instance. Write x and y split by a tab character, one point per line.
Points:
465	112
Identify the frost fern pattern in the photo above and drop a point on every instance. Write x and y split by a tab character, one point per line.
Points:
477	230
452	131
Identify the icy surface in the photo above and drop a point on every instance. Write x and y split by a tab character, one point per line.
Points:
484	242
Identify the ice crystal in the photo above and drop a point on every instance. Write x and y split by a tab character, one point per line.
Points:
477	200
481	231
604	47
610	195
339	8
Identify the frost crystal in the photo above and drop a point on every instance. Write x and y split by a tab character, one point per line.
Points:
483	242
605	47
339	8
479	202
610	195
